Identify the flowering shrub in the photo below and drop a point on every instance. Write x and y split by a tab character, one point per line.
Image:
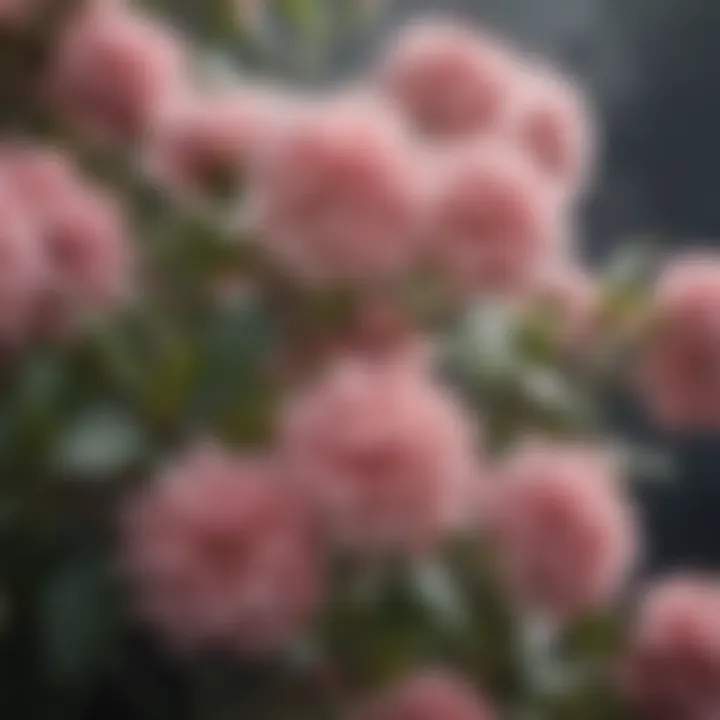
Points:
303	390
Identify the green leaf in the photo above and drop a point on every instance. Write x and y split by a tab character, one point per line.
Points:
102	442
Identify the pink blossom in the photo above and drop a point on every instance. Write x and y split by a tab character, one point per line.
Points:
451	82
383	452
75	232
222	555
672	668
115	68
429	695
494	220
87	250
338	194
564	533
20	270
680	368
200	142
552	122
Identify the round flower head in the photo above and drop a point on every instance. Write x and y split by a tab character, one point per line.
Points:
450	82
114	69
494	220
552	123
429	695
201	144
383	452
672	668
564	533
77	233
680	368
87	248
222	555
337	194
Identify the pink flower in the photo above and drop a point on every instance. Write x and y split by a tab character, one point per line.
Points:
429	695
338	196
115	68
449	81
20	270
77	233
552	123
202	142
222	555
494	220
680	367
383	452
564	533
87	250
672	668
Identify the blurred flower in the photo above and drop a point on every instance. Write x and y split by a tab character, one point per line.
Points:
21	270
386	454
672	669
429	695
223	555
564	533
553	124
200	144
77	234
451	82
680	368
114	69
87	249
338	194
494	220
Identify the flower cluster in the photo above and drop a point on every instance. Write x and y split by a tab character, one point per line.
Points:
445	178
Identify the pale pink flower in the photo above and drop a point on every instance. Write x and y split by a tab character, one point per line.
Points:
553	124
672	667
386	455
338	194
429	695
564	533
680	365
200	143
114	70
37	177
223	555
21	270
494	221
78	234
88	250
451	82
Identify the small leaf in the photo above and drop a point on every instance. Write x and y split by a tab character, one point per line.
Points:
100	443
